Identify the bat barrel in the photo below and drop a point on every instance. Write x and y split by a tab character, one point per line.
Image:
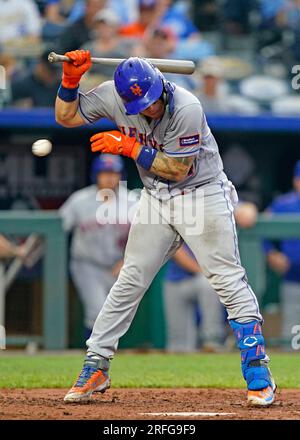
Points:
173	66
164	65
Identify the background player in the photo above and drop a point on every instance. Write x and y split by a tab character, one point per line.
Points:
97	247
186	290
285	260
163	128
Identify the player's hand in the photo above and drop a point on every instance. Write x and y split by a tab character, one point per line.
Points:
20	252
114	142
72	72
279	262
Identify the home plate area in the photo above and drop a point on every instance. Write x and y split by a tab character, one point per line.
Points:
145	403
186	414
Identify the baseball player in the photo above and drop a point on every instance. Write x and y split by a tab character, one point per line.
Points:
185	288
98	245
164	130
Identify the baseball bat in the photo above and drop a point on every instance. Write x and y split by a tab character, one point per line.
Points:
164	65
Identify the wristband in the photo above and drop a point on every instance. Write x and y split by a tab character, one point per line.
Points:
146	157
67	95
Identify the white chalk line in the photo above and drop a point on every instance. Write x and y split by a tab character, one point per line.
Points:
187	414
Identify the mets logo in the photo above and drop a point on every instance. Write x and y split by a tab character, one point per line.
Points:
136	90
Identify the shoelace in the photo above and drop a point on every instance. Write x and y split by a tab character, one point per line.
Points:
85	375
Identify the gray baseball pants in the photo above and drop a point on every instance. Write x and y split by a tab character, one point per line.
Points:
180	299
204	219
93	284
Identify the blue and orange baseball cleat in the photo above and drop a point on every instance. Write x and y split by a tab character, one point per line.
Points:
92	378
264	396
254	363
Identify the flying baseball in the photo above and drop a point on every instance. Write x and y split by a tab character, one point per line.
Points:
42	147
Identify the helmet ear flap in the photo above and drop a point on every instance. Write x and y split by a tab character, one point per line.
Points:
169	88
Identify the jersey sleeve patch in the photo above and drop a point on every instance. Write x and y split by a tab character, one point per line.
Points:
188	141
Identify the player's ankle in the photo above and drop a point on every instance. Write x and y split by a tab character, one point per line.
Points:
96	360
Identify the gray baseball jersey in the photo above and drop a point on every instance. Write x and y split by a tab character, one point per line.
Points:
95	240
183	133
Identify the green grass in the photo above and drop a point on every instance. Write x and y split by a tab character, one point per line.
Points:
143	370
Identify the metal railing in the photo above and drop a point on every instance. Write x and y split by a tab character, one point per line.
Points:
55	312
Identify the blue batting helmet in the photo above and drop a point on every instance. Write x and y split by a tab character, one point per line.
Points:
106	162
138	83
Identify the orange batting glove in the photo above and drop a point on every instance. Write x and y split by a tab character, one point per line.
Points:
114	142
72	72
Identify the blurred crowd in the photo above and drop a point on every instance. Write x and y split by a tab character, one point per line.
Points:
244	49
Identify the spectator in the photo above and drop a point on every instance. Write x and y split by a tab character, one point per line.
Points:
160	42
214	94
38	86
19	22
107	42
176	17
284	13
285	260
8	69
148	11
54	21
53	12
288	18
206	15
270	10
163	13
79	32
127	10
185	289
237	15
279	35
98	240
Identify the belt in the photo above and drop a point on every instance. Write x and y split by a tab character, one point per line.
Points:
178	191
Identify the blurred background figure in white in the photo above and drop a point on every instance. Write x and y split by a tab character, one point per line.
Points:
98	242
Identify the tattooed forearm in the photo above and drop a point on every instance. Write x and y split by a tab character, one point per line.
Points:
170	168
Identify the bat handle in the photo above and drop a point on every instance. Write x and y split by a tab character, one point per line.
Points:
55	58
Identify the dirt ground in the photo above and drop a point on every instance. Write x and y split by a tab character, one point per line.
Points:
133	403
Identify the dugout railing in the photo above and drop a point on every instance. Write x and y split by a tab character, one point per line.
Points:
275	228
54	274
145	332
